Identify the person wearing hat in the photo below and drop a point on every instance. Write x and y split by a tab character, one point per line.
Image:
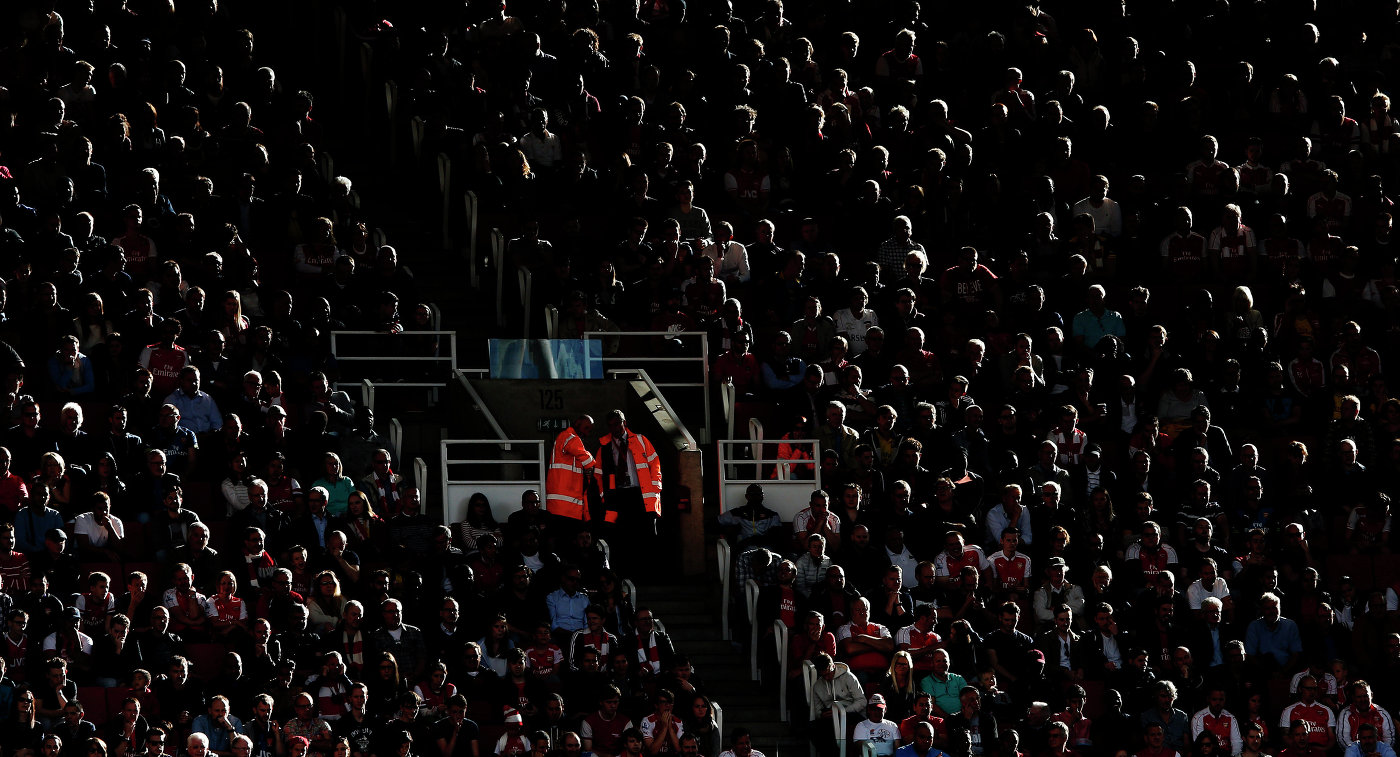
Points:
67	641
875	730
1056	591
58	562
513	742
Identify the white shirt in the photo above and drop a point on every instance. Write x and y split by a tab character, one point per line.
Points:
649	727
854	329
1197	592
622	455
907	566
844	632
86	524
881	735
84	641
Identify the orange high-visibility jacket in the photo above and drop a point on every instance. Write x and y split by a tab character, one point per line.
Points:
566	481
648	470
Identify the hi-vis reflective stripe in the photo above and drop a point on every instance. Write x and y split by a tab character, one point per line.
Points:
566	498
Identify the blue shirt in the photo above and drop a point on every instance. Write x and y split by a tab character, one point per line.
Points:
566	612
1382	750
30	528
197	413
1095	327
908	750
1173	729
219	737
1282	641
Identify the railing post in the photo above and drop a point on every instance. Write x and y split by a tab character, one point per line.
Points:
780	639
473	207
444	166
724	559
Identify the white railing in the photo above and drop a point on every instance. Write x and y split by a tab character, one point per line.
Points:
526	280
473	208
416	127
751	590
391	110
699	365
500	469
719	720
444	172
781	641
784	495
724	558
396	440
465	378
662	403
420	472
370	385
498	259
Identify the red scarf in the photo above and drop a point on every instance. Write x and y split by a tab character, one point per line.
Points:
648	652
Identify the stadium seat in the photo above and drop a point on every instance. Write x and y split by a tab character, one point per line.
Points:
94	699
206	659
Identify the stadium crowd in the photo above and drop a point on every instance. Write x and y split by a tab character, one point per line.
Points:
1086	302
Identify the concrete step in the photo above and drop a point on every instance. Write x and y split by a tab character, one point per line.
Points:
692	632
682	618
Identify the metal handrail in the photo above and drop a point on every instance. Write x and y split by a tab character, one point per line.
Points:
444	170
751	591
420	473
728	395
417	126
724	556
473	203
526	280
498	255
703	361
367	394
396	438
450	358
486	413
391	111
661	400
781	641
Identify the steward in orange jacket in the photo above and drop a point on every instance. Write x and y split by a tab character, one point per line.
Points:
570	464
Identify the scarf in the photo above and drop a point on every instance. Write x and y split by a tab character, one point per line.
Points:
388	488
648	652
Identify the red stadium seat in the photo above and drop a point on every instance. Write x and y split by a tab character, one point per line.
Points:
94	699
207	660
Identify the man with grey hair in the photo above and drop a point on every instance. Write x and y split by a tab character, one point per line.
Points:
197	745
1271	638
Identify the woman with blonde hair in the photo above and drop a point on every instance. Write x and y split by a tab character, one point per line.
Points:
899	687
